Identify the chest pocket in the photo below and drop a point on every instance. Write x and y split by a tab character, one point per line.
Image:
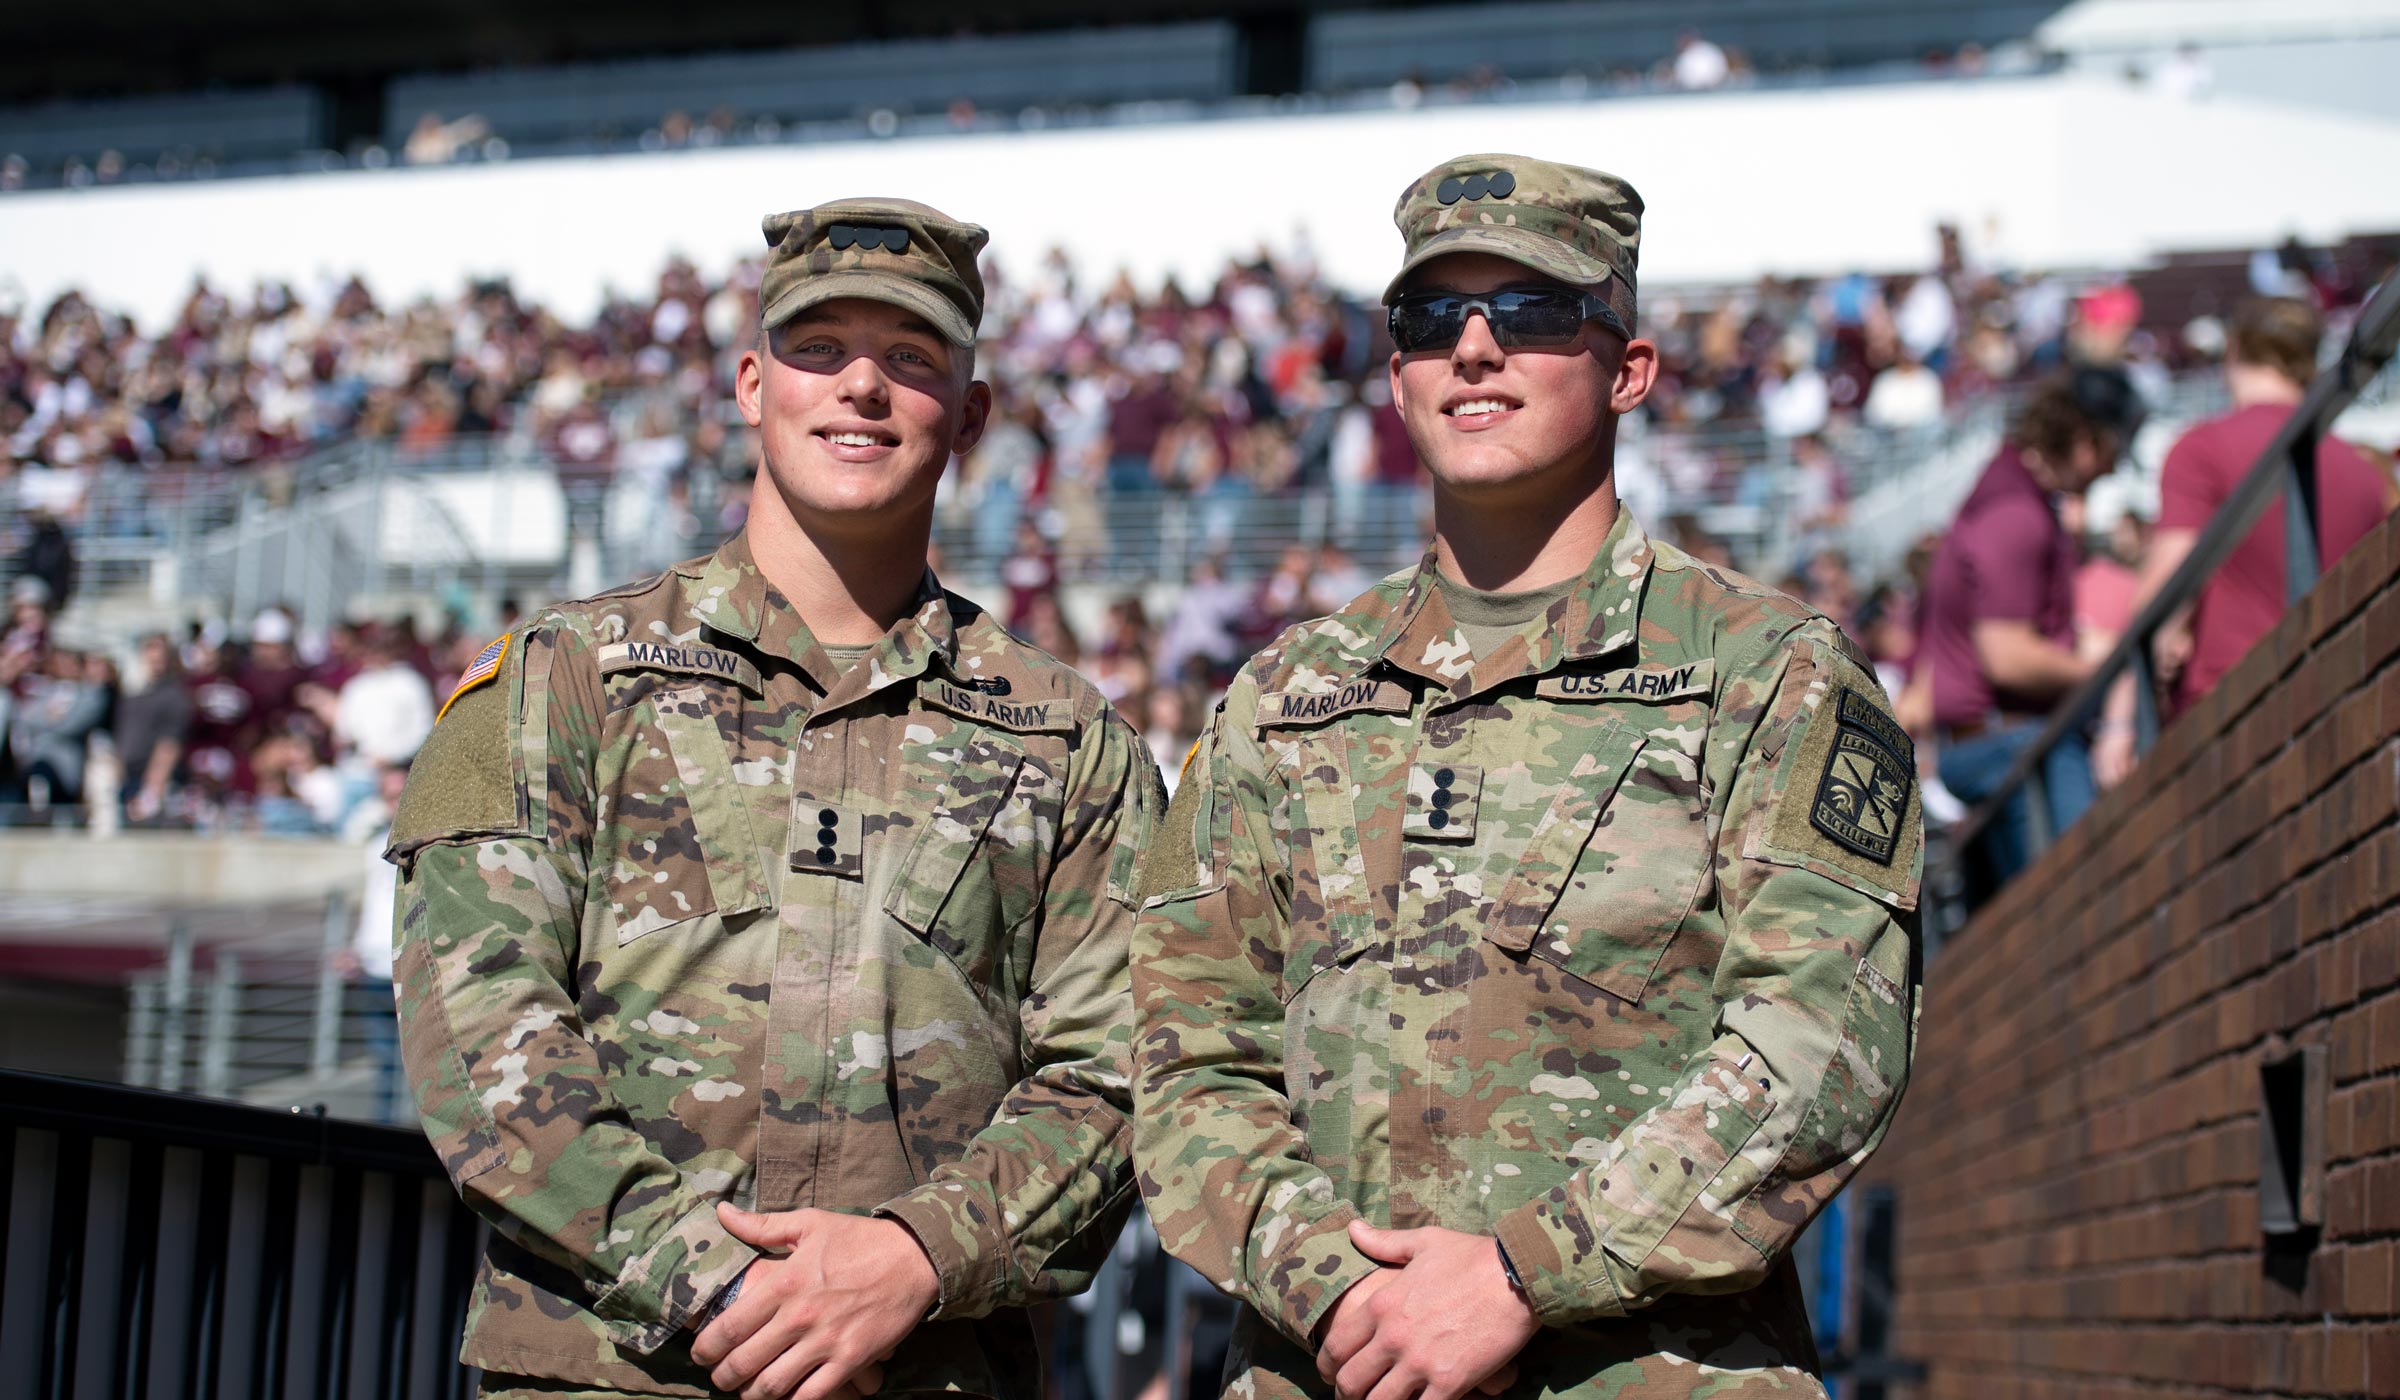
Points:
1333	901
974	873
1613	866
687	843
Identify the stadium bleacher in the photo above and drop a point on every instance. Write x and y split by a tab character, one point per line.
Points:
191	134
1599	38
876	87
564	105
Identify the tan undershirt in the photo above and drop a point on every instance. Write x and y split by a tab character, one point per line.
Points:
1488	619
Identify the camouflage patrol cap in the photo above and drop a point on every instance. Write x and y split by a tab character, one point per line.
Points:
1572	225
898	251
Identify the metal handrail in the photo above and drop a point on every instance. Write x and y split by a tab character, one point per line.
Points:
58	1103
161	1245
2286	470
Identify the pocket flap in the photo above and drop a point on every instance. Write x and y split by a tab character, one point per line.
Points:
1519	916
985	778
727	841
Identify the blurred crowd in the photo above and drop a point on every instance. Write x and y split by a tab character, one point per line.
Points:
1112	401
268	731
1264	382
2022	609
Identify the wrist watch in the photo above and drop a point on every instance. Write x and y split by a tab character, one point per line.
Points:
725	1297
1508	1266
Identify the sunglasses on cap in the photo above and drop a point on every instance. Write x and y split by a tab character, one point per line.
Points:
844	236
1518	316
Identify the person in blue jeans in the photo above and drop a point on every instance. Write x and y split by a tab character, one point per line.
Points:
1999	633
1973	768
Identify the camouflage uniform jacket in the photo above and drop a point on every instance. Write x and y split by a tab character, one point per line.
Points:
689	916
1601	944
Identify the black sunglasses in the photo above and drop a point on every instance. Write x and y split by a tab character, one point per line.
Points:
1518	316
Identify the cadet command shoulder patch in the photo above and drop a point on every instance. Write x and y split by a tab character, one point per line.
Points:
1862	798
487	665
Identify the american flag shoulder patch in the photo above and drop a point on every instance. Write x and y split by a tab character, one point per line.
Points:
486	666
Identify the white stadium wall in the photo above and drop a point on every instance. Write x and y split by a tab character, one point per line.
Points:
2065	170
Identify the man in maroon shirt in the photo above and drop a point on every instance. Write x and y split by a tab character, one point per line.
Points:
2270	356
2000	608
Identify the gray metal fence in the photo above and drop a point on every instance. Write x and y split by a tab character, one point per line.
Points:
272	1021
163	1246
365	523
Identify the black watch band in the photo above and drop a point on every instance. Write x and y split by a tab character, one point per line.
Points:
1508	1266
725	1297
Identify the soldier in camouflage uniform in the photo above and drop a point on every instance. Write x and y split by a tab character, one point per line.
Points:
763	924
1526	956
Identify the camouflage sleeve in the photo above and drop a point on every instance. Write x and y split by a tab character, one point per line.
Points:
1029	1211
1225	1173
1818	861
492	838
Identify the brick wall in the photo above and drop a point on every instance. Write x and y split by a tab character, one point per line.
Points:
2077	1159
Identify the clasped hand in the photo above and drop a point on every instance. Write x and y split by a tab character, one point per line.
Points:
817	1314
1441	1320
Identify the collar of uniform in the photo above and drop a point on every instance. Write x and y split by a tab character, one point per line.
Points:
1420	636
905	651
1601	614
730	593
726	590
926	633
982	651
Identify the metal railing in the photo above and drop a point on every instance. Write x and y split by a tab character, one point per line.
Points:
366	520
2285	471
164	1247
268	1020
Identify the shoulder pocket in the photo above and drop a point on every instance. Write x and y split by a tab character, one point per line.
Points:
1182	860
468	778
686	843
1611	869
975	870
1846	801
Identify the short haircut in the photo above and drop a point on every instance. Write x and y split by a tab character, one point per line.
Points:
2052	420
2278	333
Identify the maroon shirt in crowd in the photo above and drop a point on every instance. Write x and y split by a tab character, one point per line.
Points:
1138	420
2005	558
2242	600
274	691
1395	455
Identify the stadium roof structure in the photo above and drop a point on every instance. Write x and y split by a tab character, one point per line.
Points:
50	50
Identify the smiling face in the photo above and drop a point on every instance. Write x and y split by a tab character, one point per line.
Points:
1495	425
859	405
